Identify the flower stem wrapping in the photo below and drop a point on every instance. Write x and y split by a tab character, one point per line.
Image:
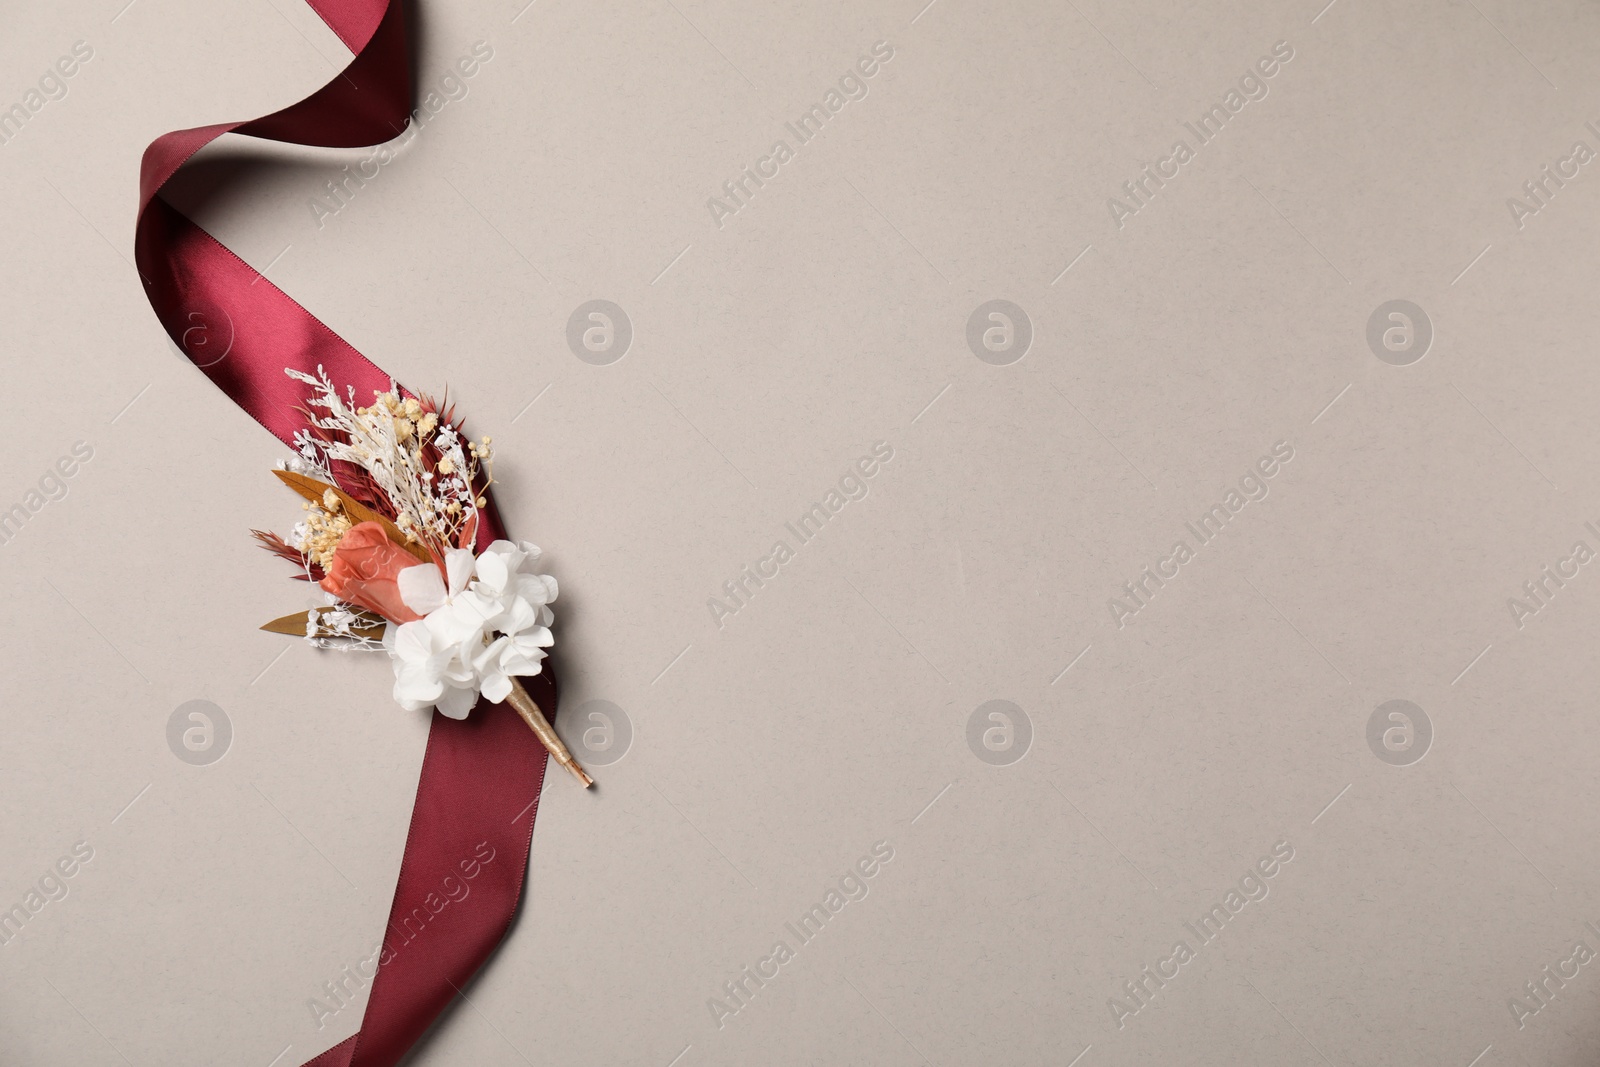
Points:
526	707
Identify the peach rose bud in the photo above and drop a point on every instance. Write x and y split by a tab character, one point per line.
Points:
365	568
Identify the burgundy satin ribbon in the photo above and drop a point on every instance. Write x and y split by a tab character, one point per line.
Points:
481	776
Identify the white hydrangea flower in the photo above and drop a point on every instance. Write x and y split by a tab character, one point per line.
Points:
486	620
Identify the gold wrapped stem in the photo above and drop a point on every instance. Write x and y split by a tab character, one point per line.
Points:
519	699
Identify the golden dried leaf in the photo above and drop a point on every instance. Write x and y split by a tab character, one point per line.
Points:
313	490
295	625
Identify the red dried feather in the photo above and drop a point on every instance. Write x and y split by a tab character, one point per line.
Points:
310	571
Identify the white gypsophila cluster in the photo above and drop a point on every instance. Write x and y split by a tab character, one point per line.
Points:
340	629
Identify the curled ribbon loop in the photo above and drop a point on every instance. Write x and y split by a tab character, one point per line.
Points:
479	786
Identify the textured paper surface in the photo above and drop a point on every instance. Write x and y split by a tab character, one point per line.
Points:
1231	317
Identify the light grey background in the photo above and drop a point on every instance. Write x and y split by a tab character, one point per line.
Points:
1168	354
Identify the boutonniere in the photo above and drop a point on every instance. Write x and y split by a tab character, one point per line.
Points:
395	499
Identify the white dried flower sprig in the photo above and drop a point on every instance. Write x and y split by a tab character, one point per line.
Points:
418	462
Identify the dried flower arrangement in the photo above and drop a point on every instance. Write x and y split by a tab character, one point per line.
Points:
394	497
